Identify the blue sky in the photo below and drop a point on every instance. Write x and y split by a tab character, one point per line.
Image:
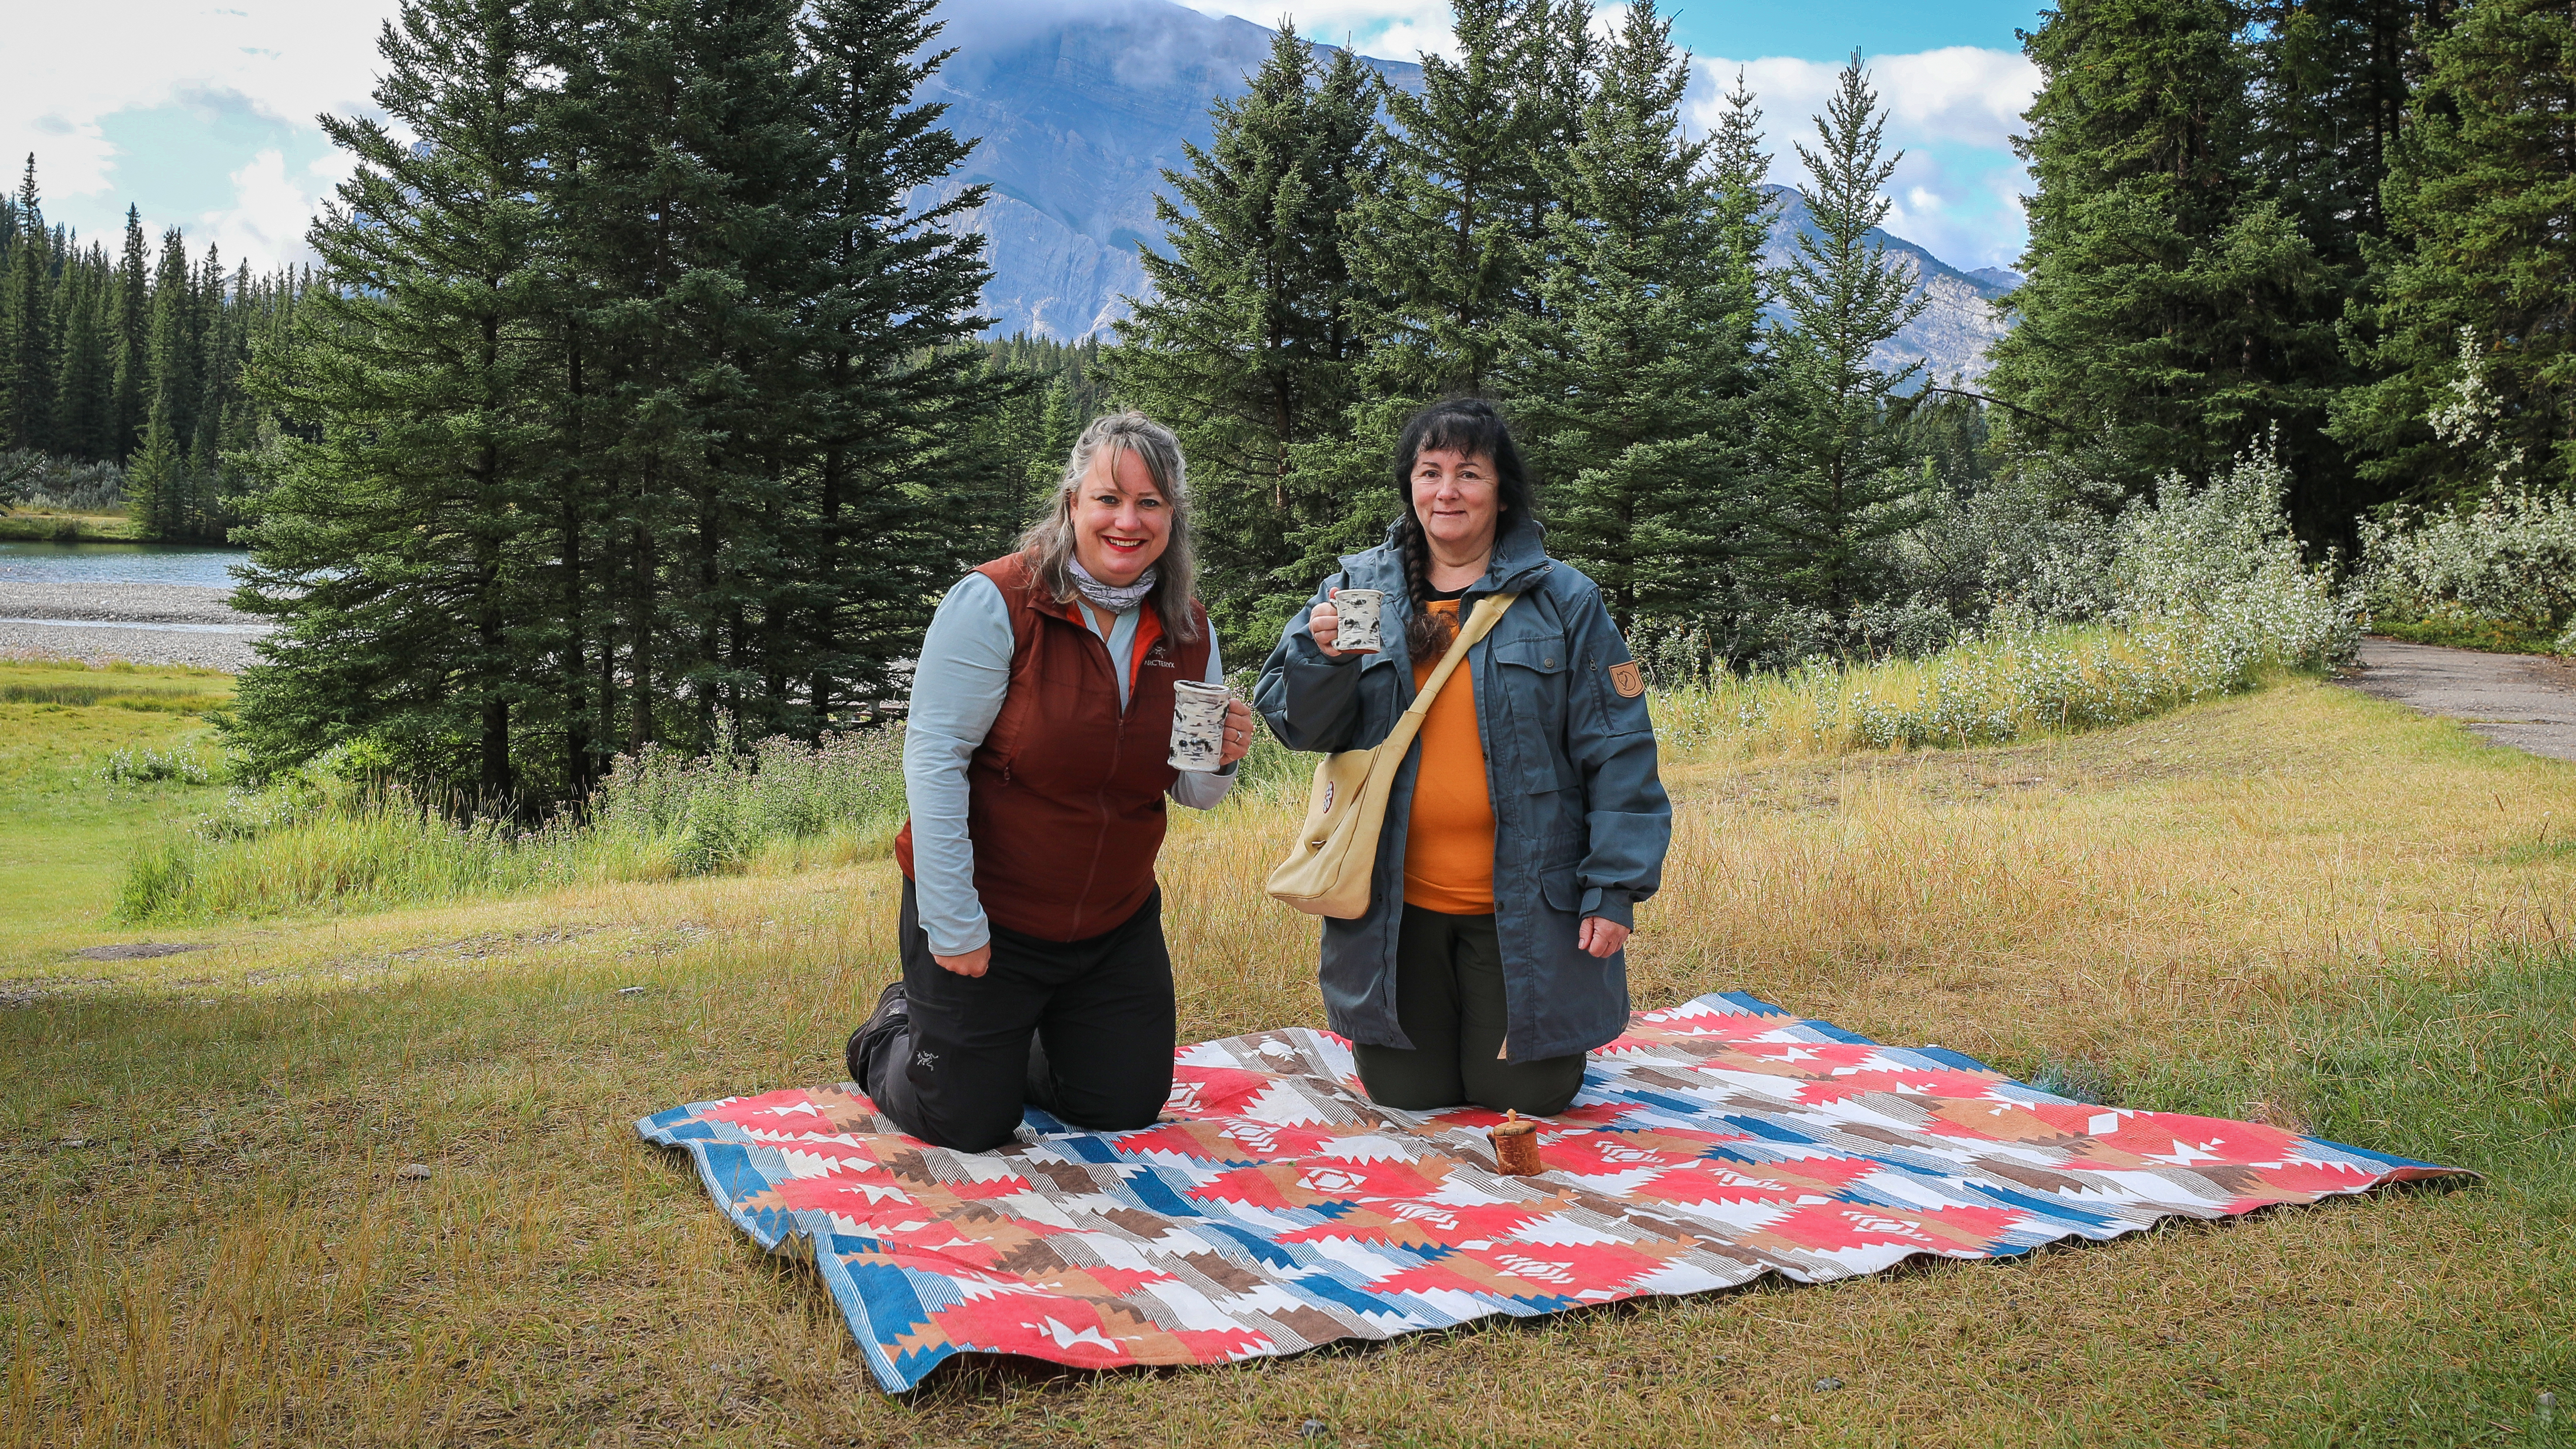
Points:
1828	29
206	120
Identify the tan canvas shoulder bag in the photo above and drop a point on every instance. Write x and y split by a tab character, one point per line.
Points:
1327	871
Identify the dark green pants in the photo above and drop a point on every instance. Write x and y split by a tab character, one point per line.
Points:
1449	999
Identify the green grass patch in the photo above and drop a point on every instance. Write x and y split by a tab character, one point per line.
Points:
2471	1069
46	526
2475	1071
169	699
71	816
320	844
2468	633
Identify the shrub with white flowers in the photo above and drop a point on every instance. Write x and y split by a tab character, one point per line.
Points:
2511	561
2200	591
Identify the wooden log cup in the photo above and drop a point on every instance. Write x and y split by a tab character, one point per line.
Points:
1516	1146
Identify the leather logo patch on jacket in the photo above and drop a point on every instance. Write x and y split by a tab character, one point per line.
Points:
1628	679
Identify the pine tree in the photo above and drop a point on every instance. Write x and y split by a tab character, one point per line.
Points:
1015	433
129	341
684	229
1737	165
1437	246
392	553
2172	306
1247	342
84	387
27	328
890	381
157	485
1837	488
1629	385
1434	246
157	492
220	403
2473	317
1550	64
2330	82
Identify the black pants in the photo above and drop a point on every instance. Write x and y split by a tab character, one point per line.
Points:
1449	1000
1081	1028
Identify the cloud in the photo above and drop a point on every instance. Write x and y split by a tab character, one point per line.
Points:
1388	29
271	209
1953	111
1959	94
289	59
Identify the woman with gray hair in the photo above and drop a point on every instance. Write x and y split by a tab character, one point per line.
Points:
1035	767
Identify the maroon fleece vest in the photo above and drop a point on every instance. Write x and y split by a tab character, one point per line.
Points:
1065	796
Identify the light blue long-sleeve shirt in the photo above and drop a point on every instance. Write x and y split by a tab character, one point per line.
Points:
957	688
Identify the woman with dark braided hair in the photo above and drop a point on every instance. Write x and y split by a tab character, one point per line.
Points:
1527	819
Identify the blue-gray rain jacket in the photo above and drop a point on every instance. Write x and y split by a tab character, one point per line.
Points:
1580	817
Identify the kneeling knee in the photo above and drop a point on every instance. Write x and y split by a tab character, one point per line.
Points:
1121	1111
1537	1089
964	1131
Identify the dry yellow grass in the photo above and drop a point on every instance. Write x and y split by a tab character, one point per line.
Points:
209	1244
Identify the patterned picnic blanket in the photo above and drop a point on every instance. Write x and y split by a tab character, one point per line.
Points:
1275	1208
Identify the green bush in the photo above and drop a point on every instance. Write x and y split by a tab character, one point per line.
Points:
2500	575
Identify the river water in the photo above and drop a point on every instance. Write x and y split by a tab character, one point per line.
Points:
117	563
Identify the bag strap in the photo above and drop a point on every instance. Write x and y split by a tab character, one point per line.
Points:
1390	753
1480	622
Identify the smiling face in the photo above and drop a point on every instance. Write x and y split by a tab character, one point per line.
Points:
1121	521
1458	500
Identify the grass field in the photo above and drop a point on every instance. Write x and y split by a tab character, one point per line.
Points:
2299	904
49	525
67	833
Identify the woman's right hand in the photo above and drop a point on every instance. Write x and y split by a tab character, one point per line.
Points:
1325	624
973	963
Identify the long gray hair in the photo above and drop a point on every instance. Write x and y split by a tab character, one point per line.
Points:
1049	541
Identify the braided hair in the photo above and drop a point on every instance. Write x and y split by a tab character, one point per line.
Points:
1471	426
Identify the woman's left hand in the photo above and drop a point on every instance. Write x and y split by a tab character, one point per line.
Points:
1238	733
1601	937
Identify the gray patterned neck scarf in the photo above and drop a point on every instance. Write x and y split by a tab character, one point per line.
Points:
1116	598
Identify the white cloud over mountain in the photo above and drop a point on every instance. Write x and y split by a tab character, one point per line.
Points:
1392	29
1953	111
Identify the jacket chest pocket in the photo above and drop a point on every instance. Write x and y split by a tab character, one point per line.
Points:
1529	677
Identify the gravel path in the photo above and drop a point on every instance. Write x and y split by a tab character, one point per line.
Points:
2522	700
143	623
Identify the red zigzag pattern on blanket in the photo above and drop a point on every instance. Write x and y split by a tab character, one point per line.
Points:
1275	1208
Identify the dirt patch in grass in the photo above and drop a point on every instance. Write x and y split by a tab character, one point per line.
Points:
139	950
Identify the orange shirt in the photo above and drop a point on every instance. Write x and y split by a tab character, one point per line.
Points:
1449	838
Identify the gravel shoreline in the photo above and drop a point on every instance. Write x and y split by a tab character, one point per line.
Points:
99	623
122	603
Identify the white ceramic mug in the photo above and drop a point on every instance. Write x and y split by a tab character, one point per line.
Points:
1198	725
1361	609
